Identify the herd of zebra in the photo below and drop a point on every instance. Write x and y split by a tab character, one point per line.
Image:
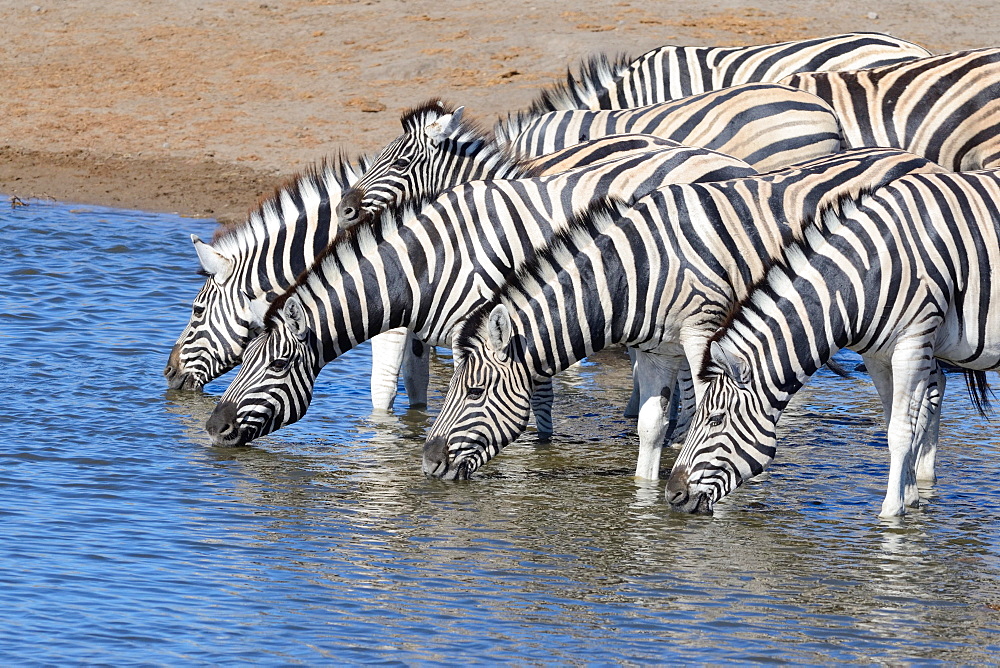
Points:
733	216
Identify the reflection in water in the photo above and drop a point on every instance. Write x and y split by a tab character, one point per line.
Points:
130	539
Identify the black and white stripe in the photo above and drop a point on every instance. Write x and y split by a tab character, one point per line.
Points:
903	275
768	125
945	108
437	150
425	271
673	72
659	276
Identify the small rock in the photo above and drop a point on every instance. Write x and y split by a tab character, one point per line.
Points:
873	15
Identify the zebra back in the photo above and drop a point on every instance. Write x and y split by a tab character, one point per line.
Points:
674	72
945	108
768	125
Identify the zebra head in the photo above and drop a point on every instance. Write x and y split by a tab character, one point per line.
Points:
731	438
275	382
222	321
489	399
434	152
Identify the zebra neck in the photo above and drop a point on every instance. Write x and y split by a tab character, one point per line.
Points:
374	279
578	300
282	238
796	319
480	159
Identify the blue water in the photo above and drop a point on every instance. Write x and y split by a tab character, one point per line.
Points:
128	539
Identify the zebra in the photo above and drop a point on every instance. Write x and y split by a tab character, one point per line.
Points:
673	72
767	125
945	108
258	259
903	274
658	276
423	270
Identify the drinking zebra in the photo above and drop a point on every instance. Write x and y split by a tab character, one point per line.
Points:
660	277
904	275
422	270
765	124
945	108
673	72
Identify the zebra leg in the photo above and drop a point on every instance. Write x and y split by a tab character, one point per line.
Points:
541	406
656	375
927	452
913	367
632	408
881	374
387	358
416	370
682	405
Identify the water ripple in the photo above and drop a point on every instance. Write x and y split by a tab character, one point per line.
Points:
129	539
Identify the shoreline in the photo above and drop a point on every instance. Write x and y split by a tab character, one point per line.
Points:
196	189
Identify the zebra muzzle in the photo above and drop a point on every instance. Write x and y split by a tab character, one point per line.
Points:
222	428
436	456
177	379
680	497
349	211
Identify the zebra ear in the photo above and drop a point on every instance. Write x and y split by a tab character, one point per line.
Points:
212	261
444	127
732	365
499	330
295	316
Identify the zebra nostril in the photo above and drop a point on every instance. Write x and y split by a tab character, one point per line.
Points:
677	497
677	486
173	363
349	208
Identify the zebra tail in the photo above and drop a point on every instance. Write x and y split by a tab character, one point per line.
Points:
838	369
980	391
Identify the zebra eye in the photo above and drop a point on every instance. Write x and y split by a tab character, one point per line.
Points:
715	420
279	364
476	392
197	310
401	163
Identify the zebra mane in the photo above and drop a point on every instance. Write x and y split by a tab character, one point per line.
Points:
339	169
596	75
486	144
581	230
352	243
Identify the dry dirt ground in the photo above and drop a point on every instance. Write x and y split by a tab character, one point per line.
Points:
199	107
